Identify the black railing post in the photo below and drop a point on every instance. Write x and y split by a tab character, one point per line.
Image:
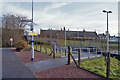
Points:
69	52
54	50
79	57
36	45
40	48
46	49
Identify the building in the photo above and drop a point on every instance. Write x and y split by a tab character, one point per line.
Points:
74	34
102	36
113	39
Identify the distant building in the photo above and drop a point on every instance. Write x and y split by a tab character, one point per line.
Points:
52	33
113	39
76	34
102	36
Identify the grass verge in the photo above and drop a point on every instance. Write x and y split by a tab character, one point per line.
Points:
99	66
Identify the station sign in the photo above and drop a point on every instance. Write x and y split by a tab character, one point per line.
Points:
30	34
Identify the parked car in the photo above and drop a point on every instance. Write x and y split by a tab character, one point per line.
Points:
93	49
74	50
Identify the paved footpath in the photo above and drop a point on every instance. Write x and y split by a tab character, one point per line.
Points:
12	66
48	64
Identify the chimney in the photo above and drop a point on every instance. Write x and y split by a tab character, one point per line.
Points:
61	29
64	28
95	30
83	30
83	33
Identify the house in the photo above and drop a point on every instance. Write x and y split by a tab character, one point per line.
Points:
102	36
74	34
113	39
52	33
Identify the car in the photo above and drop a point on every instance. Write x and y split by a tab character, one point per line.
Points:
93	49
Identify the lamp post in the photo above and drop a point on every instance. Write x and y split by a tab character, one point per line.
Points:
32	48
108	53
107	29
119	43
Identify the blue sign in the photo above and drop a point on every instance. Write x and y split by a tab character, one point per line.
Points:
31	28
26	20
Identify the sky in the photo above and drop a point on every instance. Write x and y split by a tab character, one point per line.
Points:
73	15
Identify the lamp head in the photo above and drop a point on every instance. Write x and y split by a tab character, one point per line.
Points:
109	11
104	11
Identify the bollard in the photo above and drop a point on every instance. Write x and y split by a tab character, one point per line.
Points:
79	57
69	52
65	51
54	51
40	47
96	53
88	52
28	42
36	46
46	49
60	52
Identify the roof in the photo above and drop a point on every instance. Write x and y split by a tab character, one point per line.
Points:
91	34
70	33
101	35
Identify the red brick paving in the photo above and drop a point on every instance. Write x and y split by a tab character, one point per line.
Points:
25	56
65	71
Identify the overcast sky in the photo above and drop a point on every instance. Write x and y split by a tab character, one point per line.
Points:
72	15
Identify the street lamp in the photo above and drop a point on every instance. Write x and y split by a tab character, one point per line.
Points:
108	54
32	48
107	29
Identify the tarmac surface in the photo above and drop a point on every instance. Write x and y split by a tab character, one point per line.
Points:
54	62
13	67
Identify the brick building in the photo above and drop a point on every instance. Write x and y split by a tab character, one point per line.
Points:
74	34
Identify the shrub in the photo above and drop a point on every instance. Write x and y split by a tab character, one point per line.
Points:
21	44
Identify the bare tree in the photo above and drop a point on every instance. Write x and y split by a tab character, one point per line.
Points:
13	22
12	27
